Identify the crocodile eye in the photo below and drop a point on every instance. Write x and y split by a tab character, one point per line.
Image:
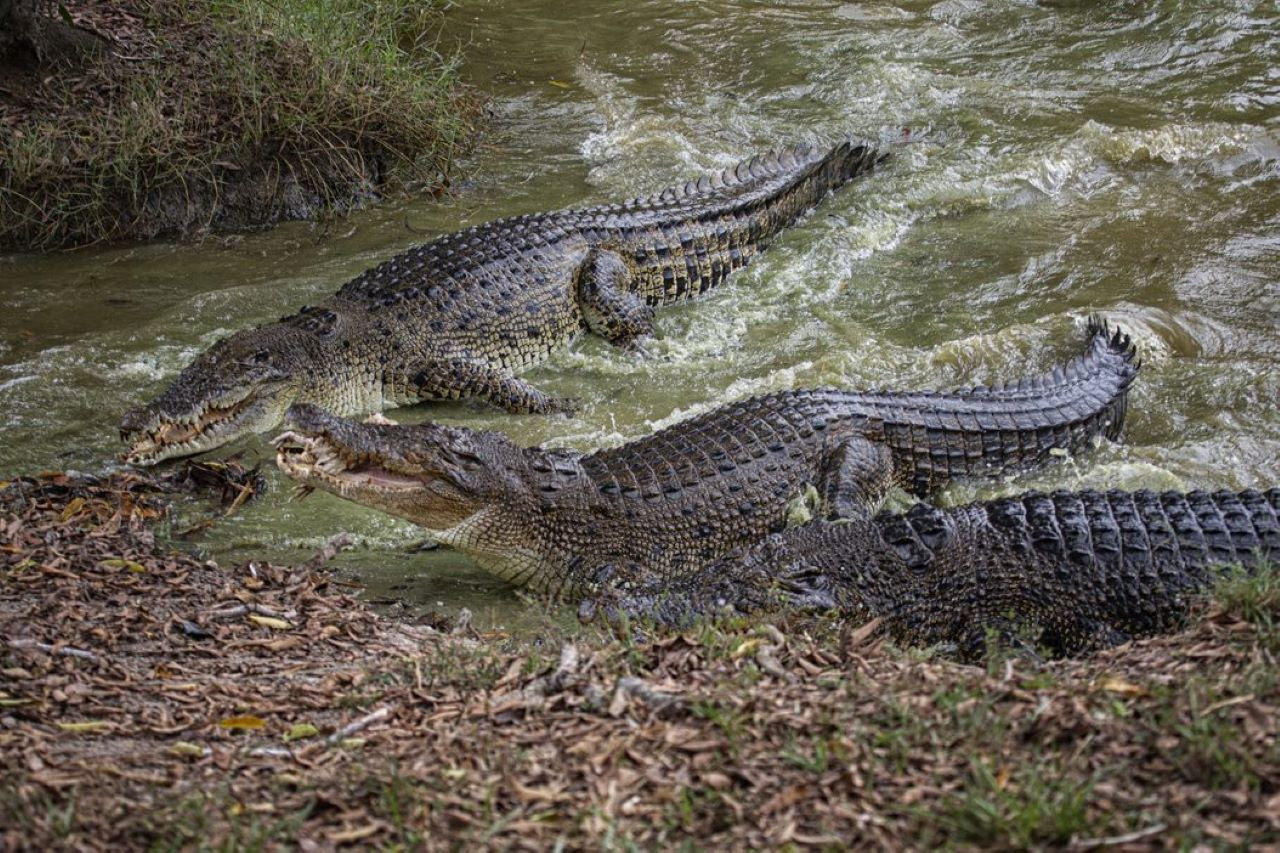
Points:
467	457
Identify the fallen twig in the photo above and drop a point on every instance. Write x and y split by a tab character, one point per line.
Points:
630	686
246	492
775	636
330	550
363	723
1227	703
52	649
767	662
243	609
565	674
1114	840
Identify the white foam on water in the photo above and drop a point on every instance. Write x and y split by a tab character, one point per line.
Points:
164	361
147	368
9	384
636	153
775	380
1072	473
864	13
1171	143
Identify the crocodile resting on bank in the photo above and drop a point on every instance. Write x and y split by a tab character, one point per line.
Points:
1067	572
659	508
460	316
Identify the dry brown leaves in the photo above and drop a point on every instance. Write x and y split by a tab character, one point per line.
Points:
125	38
145	696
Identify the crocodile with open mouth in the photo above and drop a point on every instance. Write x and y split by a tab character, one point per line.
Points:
569	524
460	316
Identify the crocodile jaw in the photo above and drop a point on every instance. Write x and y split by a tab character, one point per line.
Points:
475	529
315	461
154	436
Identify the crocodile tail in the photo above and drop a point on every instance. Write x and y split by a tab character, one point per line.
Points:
1182	530
1235	528
1117	340
1083	569
1092	389
1111	352
852	158
840	164
832	169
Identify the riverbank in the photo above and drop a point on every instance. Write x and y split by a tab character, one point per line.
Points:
148	698
174	118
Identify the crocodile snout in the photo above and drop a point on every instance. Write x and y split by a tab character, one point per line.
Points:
135	420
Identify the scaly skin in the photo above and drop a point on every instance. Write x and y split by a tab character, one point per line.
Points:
1067	572
462	315
660	507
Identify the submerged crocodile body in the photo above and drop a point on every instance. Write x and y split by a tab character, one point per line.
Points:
460	316
660	507
1067	572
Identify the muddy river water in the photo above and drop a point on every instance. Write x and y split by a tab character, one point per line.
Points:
1121	157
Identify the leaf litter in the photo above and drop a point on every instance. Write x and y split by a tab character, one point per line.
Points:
148	697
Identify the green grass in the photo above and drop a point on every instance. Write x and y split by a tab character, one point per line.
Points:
216	820
24	806
1033	804
331	97
814	757
1254	598
397	802
731	722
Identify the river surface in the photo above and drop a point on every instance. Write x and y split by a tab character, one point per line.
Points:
1077	157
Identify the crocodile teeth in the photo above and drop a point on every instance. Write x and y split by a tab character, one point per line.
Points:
315	459
294	452
181	432
290	440
175	433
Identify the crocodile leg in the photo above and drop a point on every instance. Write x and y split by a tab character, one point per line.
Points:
855	478
611	310
457	379
1082	635
995	633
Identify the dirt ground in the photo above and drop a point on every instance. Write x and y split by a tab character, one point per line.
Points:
150	699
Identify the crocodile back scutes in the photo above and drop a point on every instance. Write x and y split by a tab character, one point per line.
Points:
536	239
1142	528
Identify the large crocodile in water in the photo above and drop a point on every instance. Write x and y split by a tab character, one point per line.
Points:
657	508
1067	572
462	315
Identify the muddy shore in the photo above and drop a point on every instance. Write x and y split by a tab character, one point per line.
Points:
148	698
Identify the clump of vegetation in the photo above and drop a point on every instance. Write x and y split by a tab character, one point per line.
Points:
194	114
1042	806
1255	598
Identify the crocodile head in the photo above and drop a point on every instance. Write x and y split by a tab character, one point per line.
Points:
440	477
241	385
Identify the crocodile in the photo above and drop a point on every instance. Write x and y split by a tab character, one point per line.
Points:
460	316
1065	573
565	523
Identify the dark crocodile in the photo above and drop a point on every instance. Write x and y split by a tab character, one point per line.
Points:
1067	572
460	316
657	508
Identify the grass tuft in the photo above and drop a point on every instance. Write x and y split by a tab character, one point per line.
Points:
1254	598
1034	805
236	113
